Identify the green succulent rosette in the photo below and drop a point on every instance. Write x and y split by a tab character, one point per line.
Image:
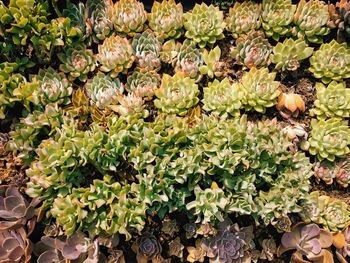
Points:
115	55
331	62
177	94
143	82
329	138
287	55
204	24
277	17
332	101
77	62
100	14
166	19
243	17
311	19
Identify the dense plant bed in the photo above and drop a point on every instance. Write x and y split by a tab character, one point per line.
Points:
216	134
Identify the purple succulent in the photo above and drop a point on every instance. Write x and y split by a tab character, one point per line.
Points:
225	247
307	240
147	247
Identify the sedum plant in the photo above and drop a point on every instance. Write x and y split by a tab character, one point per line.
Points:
146	48
287	55
212	65
329	138
115	55
54	86
77	62
252	50
204	24
189	60
311	19
143	82
176	94
243	17
277	17
332	101
331	62
129	17
166	19
260	89
103	90
222	97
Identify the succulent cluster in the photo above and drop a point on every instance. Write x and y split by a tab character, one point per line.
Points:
138	133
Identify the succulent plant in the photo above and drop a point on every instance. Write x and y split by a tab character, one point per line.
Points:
308	240
223	97
54	86
129	17
197	253
176	94
227	246
242	18
131	104
287	55
176	248
146	48
331	62
189	60
329	138
147	247
100	17
260	89
170	50
143	82
212	65
209	205
103	90
342	172
344	251
115	55
204	24
252	50
76	247
324	171
277	17
332	101
166	19
77	62
311	19
290	105
344	23
15	246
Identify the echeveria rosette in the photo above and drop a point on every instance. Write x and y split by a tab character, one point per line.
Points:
331	62
332	101
77	62
177	94
242	18
166	19
329	138
147	247
103	90
335	216
209	205
129	17
189	60
131	104
115	55
287	55
146	48
204	24
311	19
222	97
226	247
345	250
54	86
308	240
170	50
143	82
277	17
100	18
342	172
15	246
324	171
252	50
260	89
